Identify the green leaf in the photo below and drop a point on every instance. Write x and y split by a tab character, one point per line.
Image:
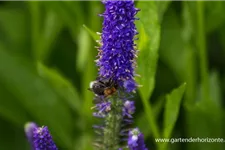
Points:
44	30
204	120
215	88
81	142
180	49
201	116
189	56
84	48
215	18
172	49
12	137
141	118
149	33
52	28
75	10
162	7
222	38
89	75
14	29
69	13
10	108
92	33
19	76
148	45
34	8
202	50
62	86
172	106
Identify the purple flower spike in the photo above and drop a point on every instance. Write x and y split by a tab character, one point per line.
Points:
136	140
43	139
29	129
117	54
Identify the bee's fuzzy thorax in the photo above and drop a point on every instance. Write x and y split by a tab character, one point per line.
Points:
91	84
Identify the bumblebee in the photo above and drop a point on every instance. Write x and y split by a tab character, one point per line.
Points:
103	87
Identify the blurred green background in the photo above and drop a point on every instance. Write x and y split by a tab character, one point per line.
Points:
47	61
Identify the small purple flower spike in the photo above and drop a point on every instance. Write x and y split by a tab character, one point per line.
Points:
29	128
43	139
136	140
117	53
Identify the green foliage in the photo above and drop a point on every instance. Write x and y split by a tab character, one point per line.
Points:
37	97
172	106
47	62
148	56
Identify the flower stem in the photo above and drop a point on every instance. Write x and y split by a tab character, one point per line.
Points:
113	125
202	50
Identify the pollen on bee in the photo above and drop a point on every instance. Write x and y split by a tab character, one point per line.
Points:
109	91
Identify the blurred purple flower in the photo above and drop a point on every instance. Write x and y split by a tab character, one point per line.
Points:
136	140
29	129
42	140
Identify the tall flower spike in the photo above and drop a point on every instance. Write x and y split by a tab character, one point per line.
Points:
42	140
136	140
116	62
117	53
